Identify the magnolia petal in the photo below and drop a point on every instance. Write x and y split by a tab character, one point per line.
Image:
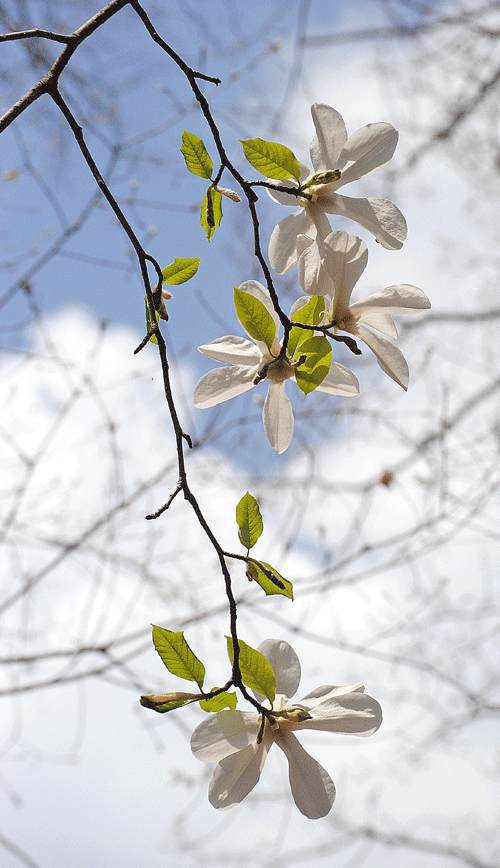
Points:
381	217
404	299
223	734
330	138
379	320
327	691
277	416
235	776
232	349
312	787
390	359
367	151
285	664
221	384
346	257
339	381
311	267
282	245
351	712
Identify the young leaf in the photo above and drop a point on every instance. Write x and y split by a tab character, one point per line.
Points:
180	270
309	314
249	521
196	156
269	579
163	702
254	317
177	655
271	159
313	371
211	211
256	671
153	338
217	703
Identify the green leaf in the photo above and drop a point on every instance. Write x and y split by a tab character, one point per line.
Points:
196	156
254	317
256	671
249	521
309	314
163	702
271	159
211	211
177	655
153	338
313	371
180	270
269	579
217	703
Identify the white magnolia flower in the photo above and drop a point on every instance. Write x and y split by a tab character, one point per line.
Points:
229	738
366	151
331	268
250	362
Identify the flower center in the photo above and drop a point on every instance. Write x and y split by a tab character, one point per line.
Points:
279	370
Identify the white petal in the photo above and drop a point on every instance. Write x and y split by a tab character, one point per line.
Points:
221	384
367	151
235	776
344	710
327	691
311	267
277	416
381	217
379	320
285	663
282	245
312	787
330	137
390	359
346	257
223	734
403	299
339	381
232	349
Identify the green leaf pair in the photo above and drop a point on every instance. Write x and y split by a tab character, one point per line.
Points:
199	162
271	159
256	671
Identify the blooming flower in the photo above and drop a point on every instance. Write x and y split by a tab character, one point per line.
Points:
250	362
366	151
229	738
331	268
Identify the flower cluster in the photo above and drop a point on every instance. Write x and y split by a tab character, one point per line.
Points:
328	265
238	742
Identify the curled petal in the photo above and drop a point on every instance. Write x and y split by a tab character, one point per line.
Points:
224	733
350	711
404	299
327	691
379	320
339	381
367	151
312	787
282	245
311	267
232	349
235	776
287	198
221	384
330	138
277	416
381	217
390	359
346	257
285	664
